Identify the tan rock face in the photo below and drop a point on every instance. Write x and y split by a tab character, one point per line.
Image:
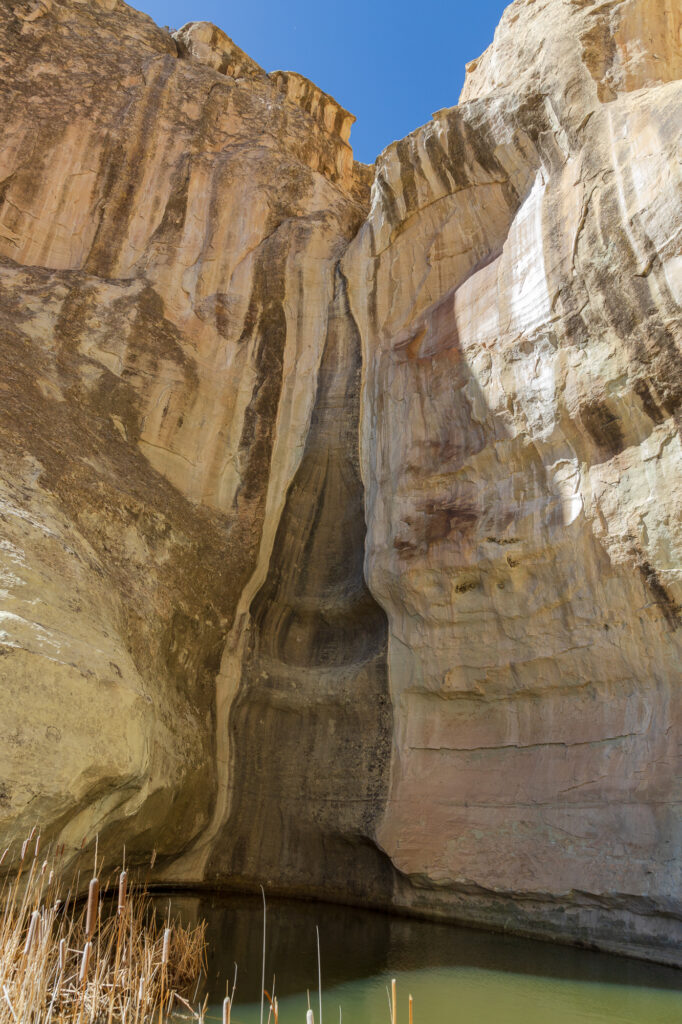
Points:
340	543
169	246
521	457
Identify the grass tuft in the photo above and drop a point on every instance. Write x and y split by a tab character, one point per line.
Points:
106	962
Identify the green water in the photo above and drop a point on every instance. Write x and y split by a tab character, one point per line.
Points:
454	974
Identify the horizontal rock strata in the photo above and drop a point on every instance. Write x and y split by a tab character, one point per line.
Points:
340	539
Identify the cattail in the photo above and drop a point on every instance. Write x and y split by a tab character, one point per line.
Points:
122	891
93	900
140	991
32	929
166	946
152	862
62	955
226	1010
4	854
23	848
43	869
309	1019
37	849
410	1009
50	879
85	960
394	1008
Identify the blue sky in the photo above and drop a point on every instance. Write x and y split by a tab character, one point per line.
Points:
391	63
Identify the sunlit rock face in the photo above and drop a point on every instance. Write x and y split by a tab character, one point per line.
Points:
170	226
517	286
340	541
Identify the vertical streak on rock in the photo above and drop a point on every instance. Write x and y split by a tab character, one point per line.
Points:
124	173
311	723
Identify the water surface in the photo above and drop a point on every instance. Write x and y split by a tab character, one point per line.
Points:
454	974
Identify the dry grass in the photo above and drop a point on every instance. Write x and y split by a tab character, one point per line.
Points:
106	962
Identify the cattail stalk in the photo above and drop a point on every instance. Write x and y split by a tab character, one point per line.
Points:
226	1010
93	903
164	965
319	971
32	930
46	979
9	1002
394	1007
122	891
85	961
262	986
122	901
410	1009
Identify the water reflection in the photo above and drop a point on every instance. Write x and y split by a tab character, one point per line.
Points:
362	944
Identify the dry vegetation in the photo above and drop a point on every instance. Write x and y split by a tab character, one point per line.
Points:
105	962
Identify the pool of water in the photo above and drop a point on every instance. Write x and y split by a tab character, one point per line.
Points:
453	974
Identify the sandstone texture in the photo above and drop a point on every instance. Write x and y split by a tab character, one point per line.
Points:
340	506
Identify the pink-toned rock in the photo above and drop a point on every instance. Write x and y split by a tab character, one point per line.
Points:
339	533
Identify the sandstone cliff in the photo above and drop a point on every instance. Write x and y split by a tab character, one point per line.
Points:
340	543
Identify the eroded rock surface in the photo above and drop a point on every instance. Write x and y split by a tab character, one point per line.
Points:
521	453
169	235
340	540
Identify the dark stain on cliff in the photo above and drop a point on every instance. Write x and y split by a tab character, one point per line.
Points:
435	521
388	200
123	172
407	176
265	325
175	212
603	426
668	605
644	392
438	160
311	724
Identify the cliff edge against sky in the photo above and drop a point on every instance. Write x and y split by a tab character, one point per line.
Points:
340	506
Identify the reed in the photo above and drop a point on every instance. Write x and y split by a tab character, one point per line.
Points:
106	962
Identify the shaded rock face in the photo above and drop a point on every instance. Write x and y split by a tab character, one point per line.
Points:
340	541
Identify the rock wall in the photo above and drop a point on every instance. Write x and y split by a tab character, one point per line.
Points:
340	541
169	237
517	286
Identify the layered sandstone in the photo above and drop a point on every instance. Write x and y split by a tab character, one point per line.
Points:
340	533
170	230
520	320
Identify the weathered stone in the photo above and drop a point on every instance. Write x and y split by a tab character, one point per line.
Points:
209	45
169	245
221	358
517	287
